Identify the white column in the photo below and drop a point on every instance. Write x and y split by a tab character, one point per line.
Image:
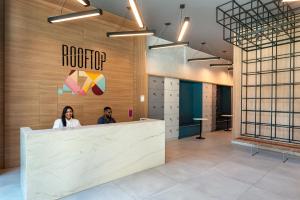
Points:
171	107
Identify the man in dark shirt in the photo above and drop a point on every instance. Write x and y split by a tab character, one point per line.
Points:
106	118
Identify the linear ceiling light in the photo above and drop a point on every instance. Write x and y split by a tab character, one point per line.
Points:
289	0
84	2
175	44
136	13
73	16
220	65
203	59
130	33
183	28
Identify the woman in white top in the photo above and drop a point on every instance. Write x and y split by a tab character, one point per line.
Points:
67	119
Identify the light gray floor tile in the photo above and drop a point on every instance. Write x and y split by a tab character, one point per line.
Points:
183	192
281	184
11	192
289	169
197	162
10	176
240	172
144	184
259	194
260	162
107	191
179	171
218	186
10	188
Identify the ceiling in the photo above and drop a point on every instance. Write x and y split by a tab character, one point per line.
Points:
203	21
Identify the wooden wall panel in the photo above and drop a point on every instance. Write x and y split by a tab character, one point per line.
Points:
236	111
34	72
1	84
141	81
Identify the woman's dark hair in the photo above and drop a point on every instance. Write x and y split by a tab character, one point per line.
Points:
63	117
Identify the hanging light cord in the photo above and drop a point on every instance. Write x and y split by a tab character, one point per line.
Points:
122	24
62	6
181	16
181	11
161	32
125	17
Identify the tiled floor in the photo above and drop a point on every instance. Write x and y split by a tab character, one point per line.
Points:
210	169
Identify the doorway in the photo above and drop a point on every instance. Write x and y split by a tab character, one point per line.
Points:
190	106
223	107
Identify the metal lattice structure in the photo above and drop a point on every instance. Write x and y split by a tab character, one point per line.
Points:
269	35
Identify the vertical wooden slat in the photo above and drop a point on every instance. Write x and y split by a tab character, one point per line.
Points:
141	79
1	84
236	118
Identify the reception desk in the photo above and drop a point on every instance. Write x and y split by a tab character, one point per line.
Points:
59	162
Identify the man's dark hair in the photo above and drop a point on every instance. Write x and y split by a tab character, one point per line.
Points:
107	108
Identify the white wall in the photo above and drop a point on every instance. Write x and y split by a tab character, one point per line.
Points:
172	62
156	90
164	103
171	107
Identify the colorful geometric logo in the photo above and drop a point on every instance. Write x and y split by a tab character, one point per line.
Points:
93	80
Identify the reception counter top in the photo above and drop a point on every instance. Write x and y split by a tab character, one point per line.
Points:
59	162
